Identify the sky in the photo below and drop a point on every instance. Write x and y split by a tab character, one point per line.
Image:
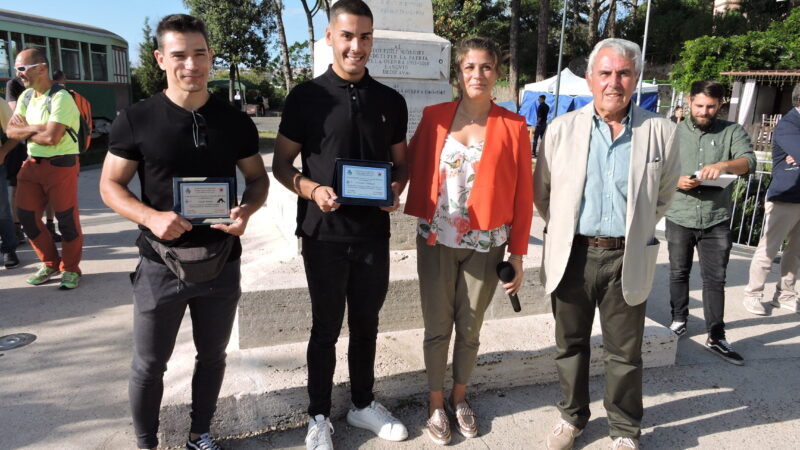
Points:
126	18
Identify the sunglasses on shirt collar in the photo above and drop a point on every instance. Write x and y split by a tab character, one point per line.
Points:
199	131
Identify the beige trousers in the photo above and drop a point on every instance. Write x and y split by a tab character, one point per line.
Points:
782	222
456	286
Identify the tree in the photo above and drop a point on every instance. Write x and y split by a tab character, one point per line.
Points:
513	57
277	10
541	39
147	78
234	31
704	58
310	12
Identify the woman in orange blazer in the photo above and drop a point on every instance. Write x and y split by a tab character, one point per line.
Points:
471	187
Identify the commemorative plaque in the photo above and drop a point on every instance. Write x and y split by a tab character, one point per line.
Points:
365	183
204	200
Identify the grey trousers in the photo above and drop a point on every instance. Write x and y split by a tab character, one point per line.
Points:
159	303
782	222
456	286
593	279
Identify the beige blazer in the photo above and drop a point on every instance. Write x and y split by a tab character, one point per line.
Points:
559	179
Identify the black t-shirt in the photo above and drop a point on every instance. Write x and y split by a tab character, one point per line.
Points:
160	135
14	88
335	118
541	113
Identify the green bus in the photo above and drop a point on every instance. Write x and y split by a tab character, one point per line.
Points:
94	60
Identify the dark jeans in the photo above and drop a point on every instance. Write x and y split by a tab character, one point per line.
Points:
338	273
538	133
714	249
8	234
159	301
593	279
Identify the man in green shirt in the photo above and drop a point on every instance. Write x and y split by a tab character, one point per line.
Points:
700	215
49	121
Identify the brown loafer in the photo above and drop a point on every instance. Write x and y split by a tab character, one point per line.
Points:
465	418
439	427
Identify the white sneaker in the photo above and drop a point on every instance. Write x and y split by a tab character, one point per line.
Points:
754	305
625	442
379	420
790	303
319	433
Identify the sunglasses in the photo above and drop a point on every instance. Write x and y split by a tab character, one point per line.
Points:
199	131
25	68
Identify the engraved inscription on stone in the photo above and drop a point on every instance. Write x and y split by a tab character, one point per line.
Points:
418	95
402	15
398	59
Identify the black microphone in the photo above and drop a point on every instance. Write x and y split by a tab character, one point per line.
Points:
507	273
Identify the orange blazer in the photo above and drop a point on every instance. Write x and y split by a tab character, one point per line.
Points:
502	192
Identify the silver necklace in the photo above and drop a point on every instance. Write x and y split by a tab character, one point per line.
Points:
472	120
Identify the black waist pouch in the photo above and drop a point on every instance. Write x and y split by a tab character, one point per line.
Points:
195	264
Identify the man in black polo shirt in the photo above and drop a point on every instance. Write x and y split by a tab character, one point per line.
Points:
343	114
181	132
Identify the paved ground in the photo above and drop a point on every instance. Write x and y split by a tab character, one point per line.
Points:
68	390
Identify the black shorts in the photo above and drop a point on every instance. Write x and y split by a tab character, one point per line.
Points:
14	162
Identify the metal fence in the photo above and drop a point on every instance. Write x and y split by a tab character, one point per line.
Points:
747	215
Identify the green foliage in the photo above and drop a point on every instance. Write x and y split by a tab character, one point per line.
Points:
235	29
148	78
778	47
300	60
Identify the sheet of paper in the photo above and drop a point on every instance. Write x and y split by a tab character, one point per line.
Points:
723	181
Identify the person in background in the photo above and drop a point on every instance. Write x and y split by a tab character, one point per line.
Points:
14	159
677	116
8	236
700	216
541	122
50	174
782	220
471	187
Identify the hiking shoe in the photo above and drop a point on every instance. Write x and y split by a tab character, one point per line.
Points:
204	442
790	303
438	427
319	433
43	274
51	227
70	280
754	305
466	419
679	328
379	420
562	437
10	260
625	442
723	349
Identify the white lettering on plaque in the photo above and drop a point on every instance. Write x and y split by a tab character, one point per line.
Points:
402	15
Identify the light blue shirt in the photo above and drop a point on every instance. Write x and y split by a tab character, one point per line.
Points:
605	195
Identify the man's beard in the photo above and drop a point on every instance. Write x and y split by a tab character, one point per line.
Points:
705	126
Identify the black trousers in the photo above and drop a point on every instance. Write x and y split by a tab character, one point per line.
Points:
159	303
714	249
355	274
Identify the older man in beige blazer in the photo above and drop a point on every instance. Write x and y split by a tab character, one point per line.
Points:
603	181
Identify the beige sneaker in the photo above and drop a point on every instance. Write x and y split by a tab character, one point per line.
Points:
790	303
754	305
621	443
562	436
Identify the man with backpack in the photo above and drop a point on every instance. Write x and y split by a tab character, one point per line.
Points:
47	117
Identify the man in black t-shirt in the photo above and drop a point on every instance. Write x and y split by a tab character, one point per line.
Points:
344	113
541	122
181	132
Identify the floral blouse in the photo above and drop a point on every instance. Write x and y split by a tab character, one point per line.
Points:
450	224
